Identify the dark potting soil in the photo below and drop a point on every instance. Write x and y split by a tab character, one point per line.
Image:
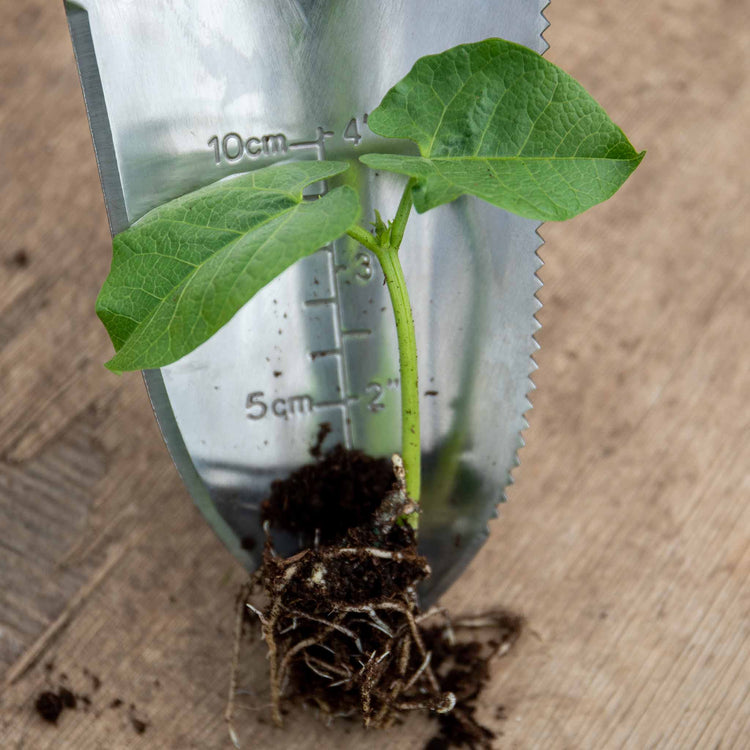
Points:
339	492
138	725
324	430
350	591
49	704
463	667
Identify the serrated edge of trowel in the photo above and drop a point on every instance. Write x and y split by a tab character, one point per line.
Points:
477	542
533	367
535	346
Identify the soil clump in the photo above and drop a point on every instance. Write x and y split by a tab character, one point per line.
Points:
341	618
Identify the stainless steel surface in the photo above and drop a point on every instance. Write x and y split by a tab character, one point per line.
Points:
183	92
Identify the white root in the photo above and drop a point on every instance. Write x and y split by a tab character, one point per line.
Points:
387	680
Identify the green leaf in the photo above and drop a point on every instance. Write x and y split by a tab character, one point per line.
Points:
183	270
496	120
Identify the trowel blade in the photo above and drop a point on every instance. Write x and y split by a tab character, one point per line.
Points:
180	93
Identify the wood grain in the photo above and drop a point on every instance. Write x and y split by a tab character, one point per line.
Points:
626	539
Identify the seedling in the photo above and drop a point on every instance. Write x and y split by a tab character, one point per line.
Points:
491	119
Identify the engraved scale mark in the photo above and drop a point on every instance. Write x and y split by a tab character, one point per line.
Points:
342	369
342	269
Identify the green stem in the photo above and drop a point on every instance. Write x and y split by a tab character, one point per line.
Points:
402	215
407	354
364	238
387	255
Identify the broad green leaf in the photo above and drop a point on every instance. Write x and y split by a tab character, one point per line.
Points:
496	120
182	271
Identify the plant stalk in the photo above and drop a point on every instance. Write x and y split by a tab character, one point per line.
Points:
402	215
408	376
387	255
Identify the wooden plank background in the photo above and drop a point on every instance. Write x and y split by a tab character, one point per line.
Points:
625	542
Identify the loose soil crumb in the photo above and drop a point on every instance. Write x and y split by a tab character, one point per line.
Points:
138	725
67	698
463	667
51	703
20	258
96	682
49	706
324	430
248	543
340	618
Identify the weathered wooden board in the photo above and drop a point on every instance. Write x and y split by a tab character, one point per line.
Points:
627	539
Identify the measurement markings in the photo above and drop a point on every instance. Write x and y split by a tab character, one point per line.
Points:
342	402
233	147
361	332
259	406
343	364
343	370
343	375
318	143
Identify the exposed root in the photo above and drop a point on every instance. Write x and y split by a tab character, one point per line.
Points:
340	619
360	654
242	598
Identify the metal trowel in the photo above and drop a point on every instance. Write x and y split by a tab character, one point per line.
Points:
180	93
